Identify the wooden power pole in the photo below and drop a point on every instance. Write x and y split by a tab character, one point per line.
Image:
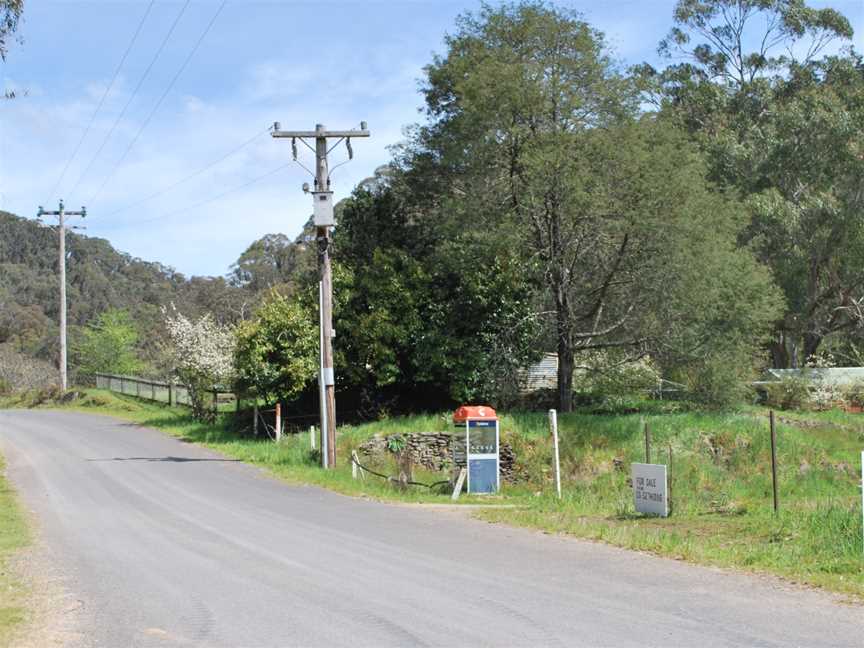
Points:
61	215
322	209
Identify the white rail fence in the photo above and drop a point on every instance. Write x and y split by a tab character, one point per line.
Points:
157	390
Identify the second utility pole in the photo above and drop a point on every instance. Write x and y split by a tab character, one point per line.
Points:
61	214
322	202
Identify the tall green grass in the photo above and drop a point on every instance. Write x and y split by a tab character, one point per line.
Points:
13	536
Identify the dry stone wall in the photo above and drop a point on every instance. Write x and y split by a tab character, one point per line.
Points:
435	450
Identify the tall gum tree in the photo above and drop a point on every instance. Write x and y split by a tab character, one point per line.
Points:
782	123
507	104
536	137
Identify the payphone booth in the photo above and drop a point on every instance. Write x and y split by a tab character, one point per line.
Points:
481	447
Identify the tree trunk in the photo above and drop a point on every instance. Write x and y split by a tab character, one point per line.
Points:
565	355
780	351
565	377
779	357
811	345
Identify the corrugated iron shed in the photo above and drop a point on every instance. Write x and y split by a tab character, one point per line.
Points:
543	375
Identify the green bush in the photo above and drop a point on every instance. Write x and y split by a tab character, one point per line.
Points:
610	375
619	405
721	379
854	394
276	352
790	392
108	345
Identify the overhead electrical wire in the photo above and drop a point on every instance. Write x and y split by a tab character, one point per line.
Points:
132	96
158	103
102	100
249	183
197	173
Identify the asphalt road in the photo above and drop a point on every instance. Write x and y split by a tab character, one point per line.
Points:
167	544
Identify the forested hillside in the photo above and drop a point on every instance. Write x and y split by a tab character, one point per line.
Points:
101	278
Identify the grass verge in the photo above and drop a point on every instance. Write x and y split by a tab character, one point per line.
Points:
13	536
720	473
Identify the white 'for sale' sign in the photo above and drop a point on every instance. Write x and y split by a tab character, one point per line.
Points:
650	488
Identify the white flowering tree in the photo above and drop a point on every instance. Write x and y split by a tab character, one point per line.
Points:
203	352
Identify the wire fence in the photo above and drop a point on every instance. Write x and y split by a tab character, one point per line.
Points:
160	391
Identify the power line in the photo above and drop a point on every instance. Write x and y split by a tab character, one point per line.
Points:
161	192
203	202
104	96
134	92
159	102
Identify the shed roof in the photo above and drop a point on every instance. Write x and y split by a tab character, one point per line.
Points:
825	375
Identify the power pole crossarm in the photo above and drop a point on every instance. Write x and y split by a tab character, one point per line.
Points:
315	134
61	215
323	216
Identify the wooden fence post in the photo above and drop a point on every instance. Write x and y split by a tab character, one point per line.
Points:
647	444
278	422
460	482
170	392
255	419
669	480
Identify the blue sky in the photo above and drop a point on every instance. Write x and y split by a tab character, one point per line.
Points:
298	63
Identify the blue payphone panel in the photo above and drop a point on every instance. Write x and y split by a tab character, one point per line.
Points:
482	456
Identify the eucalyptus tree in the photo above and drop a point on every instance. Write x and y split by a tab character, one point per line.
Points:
782	121
534	137
10	16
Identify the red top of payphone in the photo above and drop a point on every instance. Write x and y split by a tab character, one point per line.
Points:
474	412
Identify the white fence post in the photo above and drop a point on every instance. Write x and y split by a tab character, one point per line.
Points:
460	482
553	423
